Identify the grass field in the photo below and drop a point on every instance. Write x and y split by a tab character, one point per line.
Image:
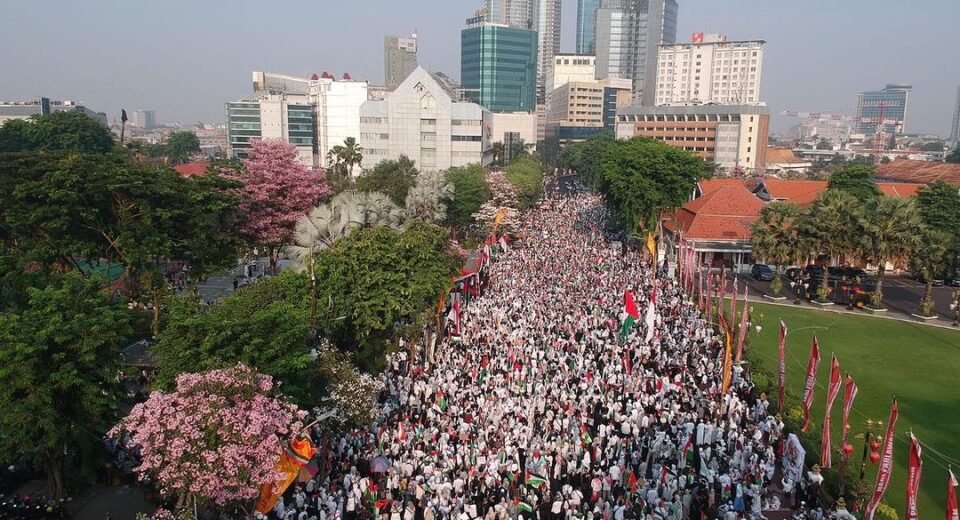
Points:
920	364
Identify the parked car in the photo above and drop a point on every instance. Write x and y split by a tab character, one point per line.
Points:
793	273
813	271
762	272
938	281
953	281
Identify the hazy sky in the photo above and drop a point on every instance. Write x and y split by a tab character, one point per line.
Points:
185	58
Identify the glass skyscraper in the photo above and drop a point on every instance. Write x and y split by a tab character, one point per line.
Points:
891	101
586	26
498	67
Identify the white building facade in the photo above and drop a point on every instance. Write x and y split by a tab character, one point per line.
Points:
710	69
424	119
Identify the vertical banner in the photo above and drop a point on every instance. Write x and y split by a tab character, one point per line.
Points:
296	455
826	455
849	394
744	314
727	356
914	468
733	303
782	367
952	497
810	383
886	464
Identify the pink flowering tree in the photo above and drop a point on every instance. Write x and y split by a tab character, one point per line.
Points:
277	190
216	439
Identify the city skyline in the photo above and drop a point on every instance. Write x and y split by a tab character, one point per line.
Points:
185	67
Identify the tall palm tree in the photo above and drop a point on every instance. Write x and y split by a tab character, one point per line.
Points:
497	149
351	154
425	199
930	261
776	238
832	227
892	229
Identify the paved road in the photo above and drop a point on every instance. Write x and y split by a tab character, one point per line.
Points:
901	295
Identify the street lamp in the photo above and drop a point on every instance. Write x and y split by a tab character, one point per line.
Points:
867	433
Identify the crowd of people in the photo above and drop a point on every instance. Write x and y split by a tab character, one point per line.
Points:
540	407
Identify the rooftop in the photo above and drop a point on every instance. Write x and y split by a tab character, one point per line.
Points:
923	172
725	213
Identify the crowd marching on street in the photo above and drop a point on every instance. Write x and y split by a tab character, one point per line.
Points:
540	407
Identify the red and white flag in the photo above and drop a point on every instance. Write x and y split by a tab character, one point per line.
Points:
914	468
810	383
733	304
952	497
650	316
782	367
886	464
826	457
849	394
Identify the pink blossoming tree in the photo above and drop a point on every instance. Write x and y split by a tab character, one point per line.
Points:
277	190
217	438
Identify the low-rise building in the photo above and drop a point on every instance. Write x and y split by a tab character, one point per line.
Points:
922	172
582	109
424	119
782	161
43	107
732	136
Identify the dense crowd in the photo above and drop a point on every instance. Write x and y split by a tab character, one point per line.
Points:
540	408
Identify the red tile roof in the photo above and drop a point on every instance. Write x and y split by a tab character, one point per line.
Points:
723	214
709	185
798	192
191	169
924	172
783	156
899	189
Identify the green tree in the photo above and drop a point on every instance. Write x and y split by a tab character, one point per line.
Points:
497	149
16	135
776	238
349	154
180	146
265	325
823	144
379	278
470	191
71	131
954	156
585	157
58	374
930	260
939	205
392	178
641	177
526	175
891	231
933	146
855	179
832	227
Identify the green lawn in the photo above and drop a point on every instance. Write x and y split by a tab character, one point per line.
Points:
920	364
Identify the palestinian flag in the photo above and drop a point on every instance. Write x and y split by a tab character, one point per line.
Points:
632	482
650	314
524	507
630	307
442	401
686	448
535	481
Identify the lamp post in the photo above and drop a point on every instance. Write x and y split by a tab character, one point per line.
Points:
867	433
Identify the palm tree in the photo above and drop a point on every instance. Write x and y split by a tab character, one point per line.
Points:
497	150
776	238
892	230
831	227
425	199
346	155
930	261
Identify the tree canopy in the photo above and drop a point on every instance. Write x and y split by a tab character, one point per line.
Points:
855	179
378	278
69	130
393	178
58	373
526	175
180	146
470	191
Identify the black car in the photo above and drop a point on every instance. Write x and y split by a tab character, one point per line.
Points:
813	271
793	273
953	281
762	272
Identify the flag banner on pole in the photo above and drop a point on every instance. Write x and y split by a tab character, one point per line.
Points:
810	383
535	481
733	303
651	315
744	314
826	455
952	511
294	457
727	356
849	394
630	307
782	367
886	465
652	245
914	468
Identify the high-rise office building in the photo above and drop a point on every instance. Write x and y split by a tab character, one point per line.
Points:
498	67
586	26
628	36
286	117
709	69
890	102
145	119
515	13
955	123
399	59
546	21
